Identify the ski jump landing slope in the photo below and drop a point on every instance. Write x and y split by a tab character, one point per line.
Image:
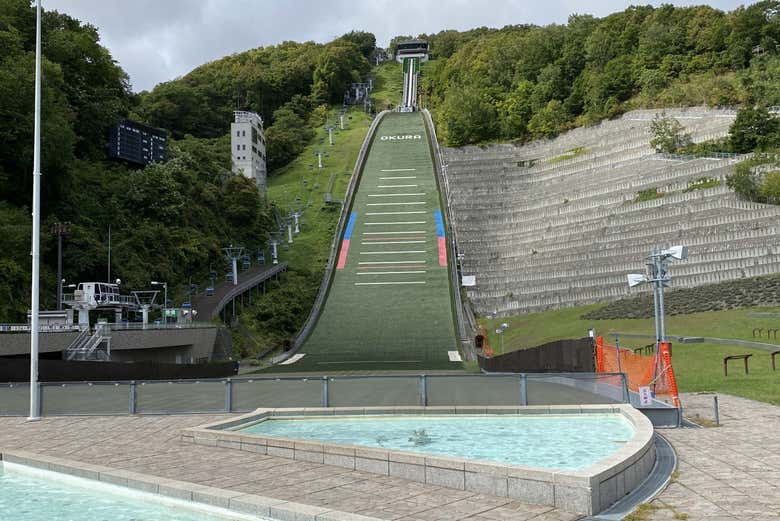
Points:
389	303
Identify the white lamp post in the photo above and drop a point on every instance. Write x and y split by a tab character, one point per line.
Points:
500	331
165	299
36	228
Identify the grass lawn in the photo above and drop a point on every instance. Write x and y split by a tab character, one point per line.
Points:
699	367
388	85
302	184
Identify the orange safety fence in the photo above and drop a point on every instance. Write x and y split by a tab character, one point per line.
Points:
482	342
651	371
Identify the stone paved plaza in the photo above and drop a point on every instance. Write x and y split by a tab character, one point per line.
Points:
726	473
151	445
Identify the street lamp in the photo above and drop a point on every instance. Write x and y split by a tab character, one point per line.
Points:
165	299
500	331
35	403
658	276
60	230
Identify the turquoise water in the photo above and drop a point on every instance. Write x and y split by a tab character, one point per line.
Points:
564	442
32	498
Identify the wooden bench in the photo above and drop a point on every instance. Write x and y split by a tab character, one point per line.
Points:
773	359
734	357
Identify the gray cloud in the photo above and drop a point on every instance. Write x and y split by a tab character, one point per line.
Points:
158	40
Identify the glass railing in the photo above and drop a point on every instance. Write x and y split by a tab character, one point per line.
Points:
249	393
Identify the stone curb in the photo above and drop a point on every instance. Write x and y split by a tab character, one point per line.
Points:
586	491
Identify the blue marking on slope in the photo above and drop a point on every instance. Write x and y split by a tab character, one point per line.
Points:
439	223
350	226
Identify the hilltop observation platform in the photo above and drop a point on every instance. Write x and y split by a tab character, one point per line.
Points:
412	49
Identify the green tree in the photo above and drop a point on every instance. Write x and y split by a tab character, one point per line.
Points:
668	134
468	118
549	121
770	186
754	129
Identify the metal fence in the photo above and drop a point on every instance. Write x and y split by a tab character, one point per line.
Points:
247	394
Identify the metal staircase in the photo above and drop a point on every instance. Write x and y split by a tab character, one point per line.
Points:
92	347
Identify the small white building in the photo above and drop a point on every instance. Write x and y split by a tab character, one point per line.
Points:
247	142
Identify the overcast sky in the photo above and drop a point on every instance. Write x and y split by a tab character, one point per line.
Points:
158	40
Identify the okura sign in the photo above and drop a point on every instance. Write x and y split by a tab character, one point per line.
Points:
401	137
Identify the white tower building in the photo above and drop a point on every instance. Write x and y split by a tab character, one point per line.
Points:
247	142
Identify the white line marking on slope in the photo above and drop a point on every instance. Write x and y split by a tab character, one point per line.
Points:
394	262
394	213
396	186
396	195
400	222
293	359
389	252
388	283
390	272
394	204
398	170
411	232
399	177
391	242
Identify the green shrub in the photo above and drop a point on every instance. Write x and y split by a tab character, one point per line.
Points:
648	195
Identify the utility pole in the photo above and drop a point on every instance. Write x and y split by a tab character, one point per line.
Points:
59	230
108	279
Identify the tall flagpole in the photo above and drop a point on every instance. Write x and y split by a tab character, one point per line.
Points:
36	228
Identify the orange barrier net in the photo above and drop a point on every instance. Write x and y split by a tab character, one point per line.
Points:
651	371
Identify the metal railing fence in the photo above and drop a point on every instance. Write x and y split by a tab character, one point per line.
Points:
247	394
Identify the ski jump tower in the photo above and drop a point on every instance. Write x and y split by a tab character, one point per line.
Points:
410	54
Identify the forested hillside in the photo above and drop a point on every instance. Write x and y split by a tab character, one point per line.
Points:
523	82
168	221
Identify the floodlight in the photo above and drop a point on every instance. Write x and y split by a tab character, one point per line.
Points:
677	252
635	279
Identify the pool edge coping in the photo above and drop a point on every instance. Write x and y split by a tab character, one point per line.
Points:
239	502
585	491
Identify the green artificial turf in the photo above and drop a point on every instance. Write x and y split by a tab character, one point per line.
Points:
398	326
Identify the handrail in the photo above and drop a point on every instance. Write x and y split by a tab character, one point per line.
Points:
441	177
322	293
249	283
25	328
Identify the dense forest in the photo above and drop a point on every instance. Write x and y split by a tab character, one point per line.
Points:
168	221
524	82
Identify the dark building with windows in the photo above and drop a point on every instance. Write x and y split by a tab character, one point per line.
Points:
137	143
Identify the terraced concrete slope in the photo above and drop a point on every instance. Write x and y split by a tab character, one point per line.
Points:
389	304
561	222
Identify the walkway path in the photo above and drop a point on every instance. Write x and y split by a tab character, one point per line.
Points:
151	445
209	306
726	473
